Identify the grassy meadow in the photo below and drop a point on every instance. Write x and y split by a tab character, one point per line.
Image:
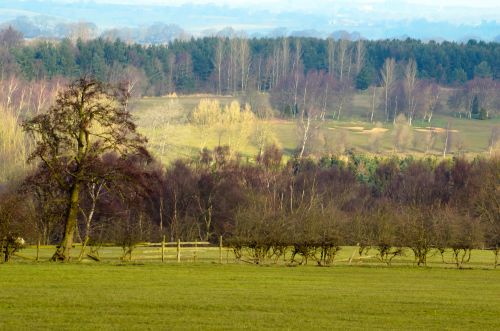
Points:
202	294
210	296
165	121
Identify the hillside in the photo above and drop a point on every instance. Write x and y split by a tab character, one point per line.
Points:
165	122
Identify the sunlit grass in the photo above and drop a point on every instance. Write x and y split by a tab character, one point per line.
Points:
206	296
165	121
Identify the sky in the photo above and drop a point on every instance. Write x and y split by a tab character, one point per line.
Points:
456	11
424	19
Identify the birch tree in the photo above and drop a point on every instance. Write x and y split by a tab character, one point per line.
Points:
360	55
410	81
387	74
217	61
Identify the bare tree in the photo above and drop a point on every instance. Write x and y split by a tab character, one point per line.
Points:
331	56
374	90
360	55
431	100
342	49
402	133
387	74
285	53
494	140
447	139
244	62
297	72
312	102
410	82
87	120
217	61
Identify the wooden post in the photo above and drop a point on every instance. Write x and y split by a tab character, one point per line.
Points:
195	249
178	250
38	250
353	253
163	249
220	249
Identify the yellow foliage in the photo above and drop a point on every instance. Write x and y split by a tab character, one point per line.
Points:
207	113
13	145
231	122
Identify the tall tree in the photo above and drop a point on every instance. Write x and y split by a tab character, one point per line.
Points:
88	120
219	56
331	56
387	74
343	44
410	83
360	55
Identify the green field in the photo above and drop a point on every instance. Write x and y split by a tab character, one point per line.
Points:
205	295
208	296
165	121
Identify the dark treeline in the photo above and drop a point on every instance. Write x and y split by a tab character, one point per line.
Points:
231	65
305	209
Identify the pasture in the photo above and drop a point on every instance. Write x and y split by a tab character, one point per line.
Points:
165	122
212	296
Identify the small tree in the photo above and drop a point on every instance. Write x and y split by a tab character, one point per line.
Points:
385	234
474	109
402	133
14	223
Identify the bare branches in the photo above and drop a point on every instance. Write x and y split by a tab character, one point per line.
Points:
88	120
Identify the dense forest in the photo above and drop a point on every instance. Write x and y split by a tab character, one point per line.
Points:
229	65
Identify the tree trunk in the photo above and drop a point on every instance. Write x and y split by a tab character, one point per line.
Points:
373	105
63	250
305	137
87	232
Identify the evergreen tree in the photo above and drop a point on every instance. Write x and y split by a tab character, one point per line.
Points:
364	79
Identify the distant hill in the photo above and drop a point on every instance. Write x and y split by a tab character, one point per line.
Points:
54	19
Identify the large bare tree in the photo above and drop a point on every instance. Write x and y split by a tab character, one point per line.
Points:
87	120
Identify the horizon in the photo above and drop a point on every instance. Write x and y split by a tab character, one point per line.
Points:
372	19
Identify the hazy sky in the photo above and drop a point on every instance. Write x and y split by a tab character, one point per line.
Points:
458	11
440	19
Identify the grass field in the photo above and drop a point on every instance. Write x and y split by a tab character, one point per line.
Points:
208	296
165	121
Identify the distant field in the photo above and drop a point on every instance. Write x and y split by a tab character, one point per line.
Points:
165	121
207	296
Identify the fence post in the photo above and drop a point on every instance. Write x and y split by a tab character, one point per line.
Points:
353	253
195	250
163	249
220	249
178	250
38	250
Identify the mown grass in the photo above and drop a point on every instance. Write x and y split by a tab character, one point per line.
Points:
165	121
209	296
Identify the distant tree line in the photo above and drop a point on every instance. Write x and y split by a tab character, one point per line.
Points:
231	65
